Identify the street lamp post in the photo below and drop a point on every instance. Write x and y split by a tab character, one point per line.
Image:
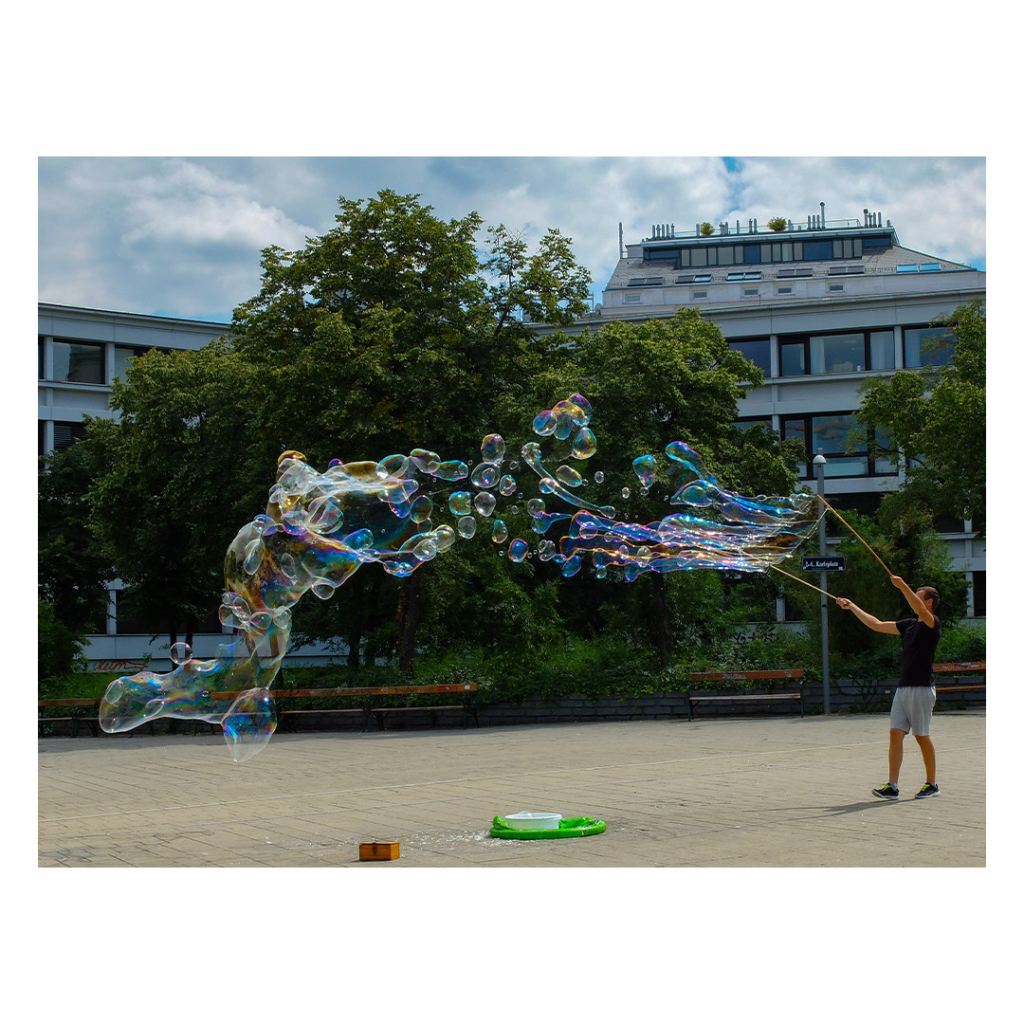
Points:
819	477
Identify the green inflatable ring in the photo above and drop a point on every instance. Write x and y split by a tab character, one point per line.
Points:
568	828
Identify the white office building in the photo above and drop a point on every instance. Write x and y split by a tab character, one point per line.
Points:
820	307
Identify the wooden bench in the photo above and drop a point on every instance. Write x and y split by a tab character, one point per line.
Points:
70	709
346	700
766	676
367	704
958	669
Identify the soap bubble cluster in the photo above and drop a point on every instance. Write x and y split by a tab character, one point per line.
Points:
399	513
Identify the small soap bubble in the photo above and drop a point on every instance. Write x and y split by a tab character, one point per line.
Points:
467	527
625	492
484	503
180	653
499	532
599	477
518	550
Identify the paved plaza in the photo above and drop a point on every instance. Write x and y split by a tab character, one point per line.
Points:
717	792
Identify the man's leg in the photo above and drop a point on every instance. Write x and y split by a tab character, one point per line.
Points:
896	738
928	753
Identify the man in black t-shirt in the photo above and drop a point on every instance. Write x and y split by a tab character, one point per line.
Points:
915	697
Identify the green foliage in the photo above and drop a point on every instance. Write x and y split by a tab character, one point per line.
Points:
707	228
177	481
73	568
777	224
935	420
61	649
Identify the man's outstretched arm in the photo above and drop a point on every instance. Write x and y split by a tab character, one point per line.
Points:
867	618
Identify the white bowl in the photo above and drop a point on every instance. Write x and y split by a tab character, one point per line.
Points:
533	820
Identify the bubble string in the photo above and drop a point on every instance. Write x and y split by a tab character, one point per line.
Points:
320	527
855	533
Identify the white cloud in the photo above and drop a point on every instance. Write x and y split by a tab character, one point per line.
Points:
182	236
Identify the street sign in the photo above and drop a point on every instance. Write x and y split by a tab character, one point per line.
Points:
832	564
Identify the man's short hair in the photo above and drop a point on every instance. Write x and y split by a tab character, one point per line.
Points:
931	592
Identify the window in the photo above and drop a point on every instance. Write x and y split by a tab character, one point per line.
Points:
927	346
65	434
979	587
817	250
837	353
757	350
836	288
121	357
645	282
78	361
882	350
831	433
783	291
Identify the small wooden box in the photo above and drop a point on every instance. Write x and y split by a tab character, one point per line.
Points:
378	851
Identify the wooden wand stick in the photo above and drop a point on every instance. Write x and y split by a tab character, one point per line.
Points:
804	582
855	533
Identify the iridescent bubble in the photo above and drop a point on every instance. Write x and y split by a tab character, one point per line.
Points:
180	653
484	476
568	476
460	503
507	486
518	550
599	477
454	470
421	509
534	507
467	527
625	492
499	532
492	449
393	465
584	444
646	469
571	566
484	503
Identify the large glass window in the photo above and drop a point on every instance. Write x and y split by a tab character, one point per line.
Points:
792	358
837	353
121	357
831	433
927	346
757	350
882	350
78	361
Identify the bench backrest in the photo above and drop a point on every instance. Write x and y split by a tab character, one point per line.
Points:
715	677
961	667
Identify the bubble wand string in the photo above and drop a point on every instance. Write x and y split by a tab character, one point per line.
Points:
804	582
855	533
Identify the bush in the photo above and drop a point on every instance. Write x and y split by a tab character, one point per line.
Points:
61	649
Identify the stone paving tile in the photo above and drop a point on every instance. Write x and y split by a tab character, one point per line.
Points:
714	793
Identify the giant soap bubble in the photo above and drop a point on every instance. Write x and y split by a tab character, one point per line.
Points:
321	527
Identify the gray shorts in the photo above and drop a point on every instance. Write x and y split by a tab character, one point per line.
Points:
912	709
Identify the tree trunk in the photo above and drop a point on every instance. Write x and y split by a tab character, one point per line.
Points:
408	620
355	633
661	619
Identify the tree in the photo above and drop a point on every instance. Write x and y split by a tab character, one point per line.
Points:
179	480
650	384
73	568
392	332
934	420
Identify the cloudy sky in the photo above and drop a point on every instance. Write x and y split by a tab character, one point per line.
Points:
181	236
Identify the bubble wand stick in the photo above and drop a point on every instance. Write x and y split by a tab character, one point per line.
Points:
804	582
855	533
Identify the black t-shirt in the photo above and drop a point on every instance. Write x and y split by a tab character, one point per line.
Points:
919	643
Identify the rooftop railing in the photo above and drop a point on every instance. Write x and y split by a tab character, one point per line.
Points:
668	232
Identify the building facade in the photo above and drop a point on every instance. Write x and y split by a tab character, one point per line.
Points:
81	351
820	307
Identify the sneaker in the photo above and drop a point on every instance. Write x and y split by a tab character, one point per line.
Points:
887	792
928	789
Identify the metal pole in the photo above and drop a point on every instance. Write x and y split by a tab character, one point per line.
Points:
819	476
